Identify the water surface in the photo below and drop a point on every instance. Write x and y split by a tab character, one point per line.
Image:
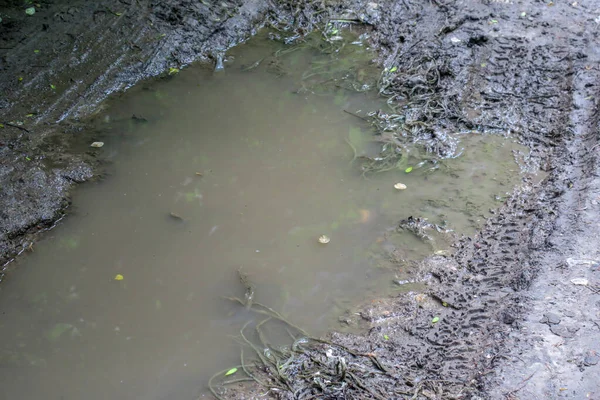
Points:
244	168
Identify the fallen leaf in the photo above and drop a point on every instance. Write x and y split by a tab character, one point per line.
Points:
30	11
386	337
173	71
97	144
52	87
394	69
231	371
435	319
324	239
36	51
408	170
119	277
400	186
365	215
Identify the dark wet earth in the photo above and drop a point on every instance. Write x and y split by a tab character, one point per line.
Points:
515	305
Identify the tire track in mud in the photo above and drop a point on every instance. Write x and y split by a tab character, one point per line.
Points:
517	73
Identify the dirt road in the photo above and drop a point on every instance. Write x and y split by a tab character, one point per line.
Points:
517	305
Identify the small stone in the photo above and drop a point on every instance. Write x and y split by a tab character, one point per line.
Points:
400	186
550	319
591	358
455	40
580	281
563	331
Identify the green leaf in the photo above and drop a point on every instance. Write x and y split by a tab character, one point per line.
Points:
52	87
173	71
36	51
386	337
435	319
408	170
1	126
30	11
493	21
334	31
28	159
394	69
523	14
57	331
231	371
483	65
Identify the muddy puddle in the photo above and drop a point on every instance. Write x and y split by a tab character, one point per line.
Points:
242	168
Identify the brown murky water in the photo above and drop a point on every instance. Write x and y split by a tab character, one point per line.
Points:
272	148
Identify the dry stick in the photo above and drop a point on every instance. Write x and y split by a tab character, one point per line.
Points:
523	383
16	126
357	116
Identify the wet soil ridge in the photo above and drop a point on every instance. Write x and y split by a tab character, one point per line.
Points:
60	63
498	68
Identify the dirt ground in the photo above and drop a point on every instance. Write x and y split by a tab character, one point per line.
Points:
513	313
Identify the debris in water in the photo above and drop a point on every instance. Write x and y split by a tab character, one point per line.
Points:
219	62
231	371
97	144
400	186
435	319
173	71
365	215
580	281
119	277
408	170
324	239
199	174
176	216
30	11
386	337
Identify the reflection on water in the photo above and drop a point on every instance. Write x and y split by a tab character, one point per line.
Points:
245	168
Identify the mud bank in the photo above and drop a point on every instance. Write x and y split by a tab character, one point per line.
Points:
530	68
513	312
60	63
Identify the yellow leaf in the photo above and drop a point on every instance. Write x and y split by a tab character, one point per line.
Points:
231	371
119	277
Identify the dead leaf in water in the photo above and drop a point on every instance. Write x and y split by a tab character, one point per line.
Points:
119	277
231	371
408	170
324	239
176	216
435	319
365	215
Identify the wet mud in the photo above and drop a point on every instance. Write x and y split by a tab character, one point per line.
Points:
511	313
